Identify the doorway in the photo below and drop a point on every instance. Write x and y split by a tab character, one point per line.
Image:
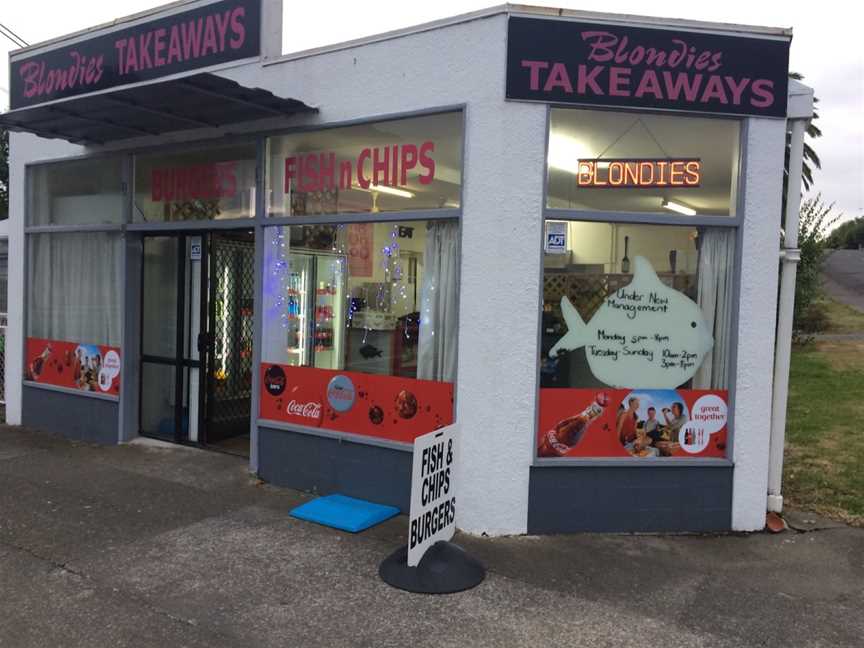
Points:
196	338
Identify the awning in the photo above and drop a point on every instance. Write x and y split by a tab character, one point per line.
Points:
198	101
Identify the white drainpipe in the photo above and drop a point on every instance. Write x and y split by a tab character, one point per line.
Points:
789	257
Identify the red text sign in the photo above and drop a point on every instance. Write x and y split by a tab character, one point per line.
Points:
389	166
195	182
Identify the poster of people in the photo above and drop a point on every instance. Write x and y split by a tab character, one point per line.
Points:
640	423
85	367
386	407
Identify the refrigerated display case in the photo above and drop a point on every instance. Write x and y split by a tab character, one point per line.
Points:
316	310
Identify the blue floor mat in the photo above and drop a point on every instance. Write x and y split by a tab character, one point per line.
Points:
345	513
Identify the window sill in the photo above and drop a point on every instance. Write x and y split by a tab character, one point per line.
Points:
632	462
334	434
73	392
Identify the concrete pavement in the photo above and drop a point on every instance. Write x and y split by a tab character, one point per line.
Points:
146	546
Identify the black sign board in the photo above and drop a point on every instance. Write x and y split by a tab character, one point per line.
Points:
215	33
558	61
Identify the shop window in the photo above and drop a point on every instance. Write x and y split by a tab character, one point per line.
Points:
74	310
81	192
399	165
202	184
637	162
636	325
360	330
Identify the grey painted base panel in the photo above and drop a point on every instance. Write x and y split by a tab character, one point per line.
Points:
75	417
630	499
324	465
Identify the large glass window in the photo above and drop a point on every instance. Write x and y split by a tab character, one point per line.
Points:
74	310
81	192
636	324
360	326
639	162
398	165
214	183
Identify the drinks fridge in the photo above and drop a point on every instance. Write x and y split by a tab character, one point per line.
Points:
316	306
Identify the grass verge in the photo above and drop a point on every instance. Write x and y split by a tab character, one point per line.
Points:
842	318
824	469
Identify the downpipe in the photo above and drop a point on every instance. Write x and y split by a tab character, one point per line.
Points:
790	255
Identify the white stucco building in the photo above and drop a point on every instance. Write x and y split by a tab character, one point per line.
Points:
312	258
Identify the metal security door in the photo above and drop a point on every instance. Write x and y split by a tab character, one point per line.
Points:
231	274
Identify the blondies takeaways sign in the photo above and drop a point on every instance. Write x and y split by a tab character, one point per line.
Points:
560	61
215	33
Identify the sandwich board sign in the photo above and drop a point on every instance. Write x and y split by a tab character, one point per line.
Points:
433	493
430	563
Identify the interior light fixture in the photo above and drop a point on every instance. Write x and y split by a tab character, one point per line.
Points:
565	153
678	207
385	189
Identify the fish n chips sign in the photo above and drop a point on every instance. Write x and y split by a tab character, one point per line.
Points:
211	34
560	61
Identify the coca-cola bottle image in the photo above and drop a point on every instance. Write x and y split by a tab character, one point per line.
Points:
567	432
39	363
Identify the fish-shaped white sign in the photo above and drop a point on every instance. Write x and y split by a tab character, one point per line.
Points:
645	335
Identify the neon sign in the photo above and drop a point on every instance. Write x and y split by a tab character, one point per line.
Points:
639	173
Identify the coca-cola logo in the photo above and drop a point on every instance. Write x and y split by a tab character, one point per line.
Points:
309	410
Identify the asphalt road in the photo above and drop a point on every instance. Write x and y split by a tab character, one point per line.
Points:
843	273
142	546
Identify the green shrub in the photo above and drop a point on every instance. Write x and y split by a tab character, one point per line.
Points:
816	220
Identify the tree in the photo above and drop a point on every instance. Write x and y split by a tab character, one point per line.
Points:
811	159
4	173
849	235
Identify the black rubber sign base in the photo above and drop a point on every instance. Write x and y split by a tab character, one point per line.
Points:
445	568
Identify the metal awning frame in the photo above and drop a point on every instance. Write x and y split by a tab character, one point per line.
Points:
260	104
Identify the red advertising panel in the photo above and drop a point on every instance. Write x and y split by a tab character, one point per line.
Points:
86	367
632	423
386	407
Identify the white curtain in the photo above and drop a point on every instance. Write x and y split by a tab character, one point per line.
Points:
74	287
716	266
439	303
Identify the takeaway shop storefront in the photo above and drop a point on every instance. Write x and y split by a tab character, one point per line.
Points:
315	293
350	309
